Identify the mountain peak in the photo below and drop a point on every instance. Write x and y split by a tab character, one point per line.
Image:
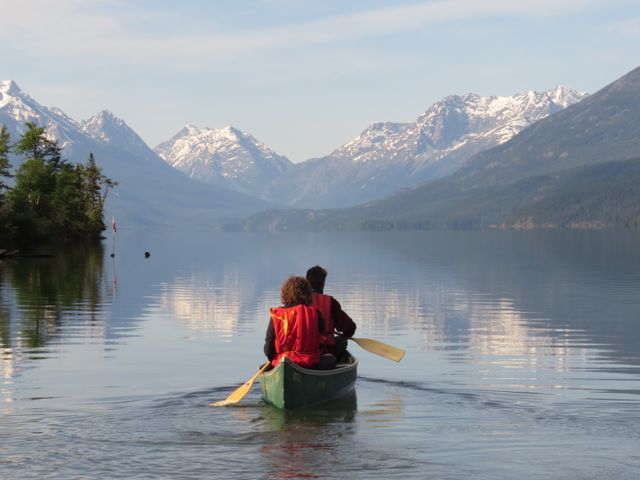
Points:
109	128
102	121
227	132
11	93
565	96
107	114
223	156
106	118
10	87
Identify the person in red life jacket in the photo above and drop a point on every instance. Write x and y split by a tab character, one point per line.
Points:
295	327
338	326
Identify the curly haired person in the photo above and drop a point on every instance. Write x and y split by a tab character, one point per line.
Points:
295	328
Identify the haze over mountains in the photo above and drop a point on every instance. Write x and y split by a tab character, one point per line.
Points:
149	191
579	168
224	157
469	161
381	160
389	156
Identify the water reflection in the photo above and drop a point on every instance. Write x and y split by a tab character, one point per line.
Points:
206	304
534	301
44	300
304	440
516	342
385	414
530	299
550	301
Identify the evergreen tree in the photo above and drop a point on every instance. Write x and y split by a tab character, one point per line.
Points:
4	159
5	224
34	144
69	213
95	187
31	198
52	196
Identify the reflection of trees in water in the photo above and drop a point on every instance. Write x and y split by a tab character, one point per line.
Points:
48	290
40	296
5	315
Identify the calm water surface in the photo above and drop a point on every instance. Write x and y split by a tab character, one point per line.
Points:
523	358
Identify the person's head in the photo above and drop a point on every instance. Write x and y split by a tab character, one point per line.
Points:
316	277
295	291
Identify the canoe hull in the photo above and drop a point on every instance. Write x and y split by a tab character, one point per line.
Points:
291	386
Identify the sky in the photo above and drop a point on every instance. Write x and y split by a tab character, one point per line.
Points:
303	76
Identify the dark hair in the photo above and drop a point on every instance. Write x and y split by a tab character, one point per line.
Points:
316	277
295	291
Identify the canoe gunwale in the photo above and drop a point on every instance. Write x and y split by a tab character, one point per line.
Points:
297	386
340	368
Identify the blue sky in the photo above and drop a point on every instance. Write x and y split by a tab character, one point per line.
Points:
304	76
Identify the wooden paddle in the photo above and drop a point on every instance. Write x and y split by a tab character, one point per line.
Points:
379	348
240	392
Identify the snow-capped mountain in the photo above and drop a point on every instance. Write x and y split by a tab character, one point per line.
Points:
18	108
76	138
389	156
452	123
149	191
225	157
383	159
109	129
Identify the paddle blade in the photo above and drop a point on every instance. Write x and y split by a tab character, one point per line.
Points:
237	395
240	392
379	348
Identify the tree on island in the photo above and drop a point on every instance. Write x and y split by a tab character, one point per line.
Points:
95	188
5	148
52	196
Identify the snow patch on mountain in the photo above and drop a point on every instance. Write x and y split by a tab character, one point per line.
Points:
149	192
17	108
109	129
224	156
390	156
453	122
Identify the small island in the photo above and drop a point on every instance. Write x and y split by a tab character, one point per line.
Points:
49	197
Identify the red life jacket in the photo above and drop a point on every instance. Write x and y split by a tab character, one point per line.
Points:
323	303
297	335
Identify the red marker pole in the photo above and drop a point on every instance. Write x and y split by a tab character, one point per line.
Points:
114	229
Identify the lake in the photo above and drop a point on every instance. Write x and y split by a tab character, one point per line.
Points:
523	357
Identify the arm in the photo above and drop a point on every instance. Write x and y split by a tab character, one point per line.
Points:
320	321
343	322
270	341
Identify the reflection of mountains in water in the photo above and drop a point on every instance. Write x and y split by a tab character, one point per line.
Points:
209	304
550	295
509	291
442	315
531	295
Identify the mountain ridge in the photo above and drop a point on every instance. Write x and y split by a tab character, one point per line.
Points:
389	156
226	157
577	168
149	191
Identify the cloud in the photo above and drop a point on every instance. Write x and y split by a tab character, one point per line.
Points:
126	33
627	28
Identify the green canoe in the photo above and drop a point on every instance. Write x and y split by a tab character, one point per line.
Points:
291	386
